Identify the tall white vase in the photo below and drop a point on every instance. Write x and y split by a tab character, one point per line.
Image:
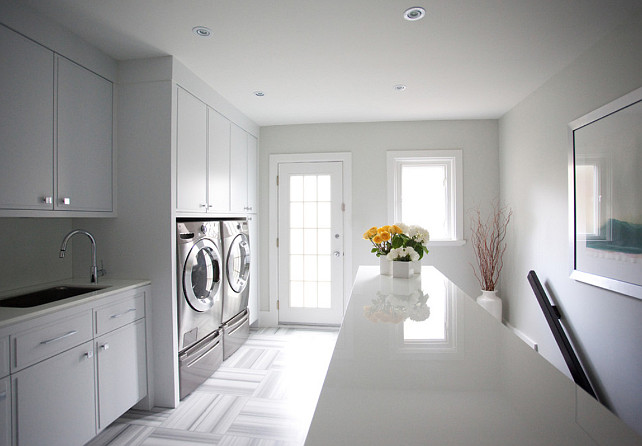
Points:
491	303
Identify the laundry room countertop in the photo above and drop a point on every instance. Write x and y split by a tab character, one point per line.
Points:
418	362
11	315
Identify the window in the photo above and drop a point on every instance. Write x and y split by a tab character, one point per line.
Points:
425	188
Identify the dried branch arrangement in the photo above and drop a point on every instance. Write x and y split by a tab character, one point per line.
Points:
487	238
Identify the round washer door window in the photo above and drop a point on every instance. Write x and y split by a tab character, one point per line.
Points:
238	263
202	275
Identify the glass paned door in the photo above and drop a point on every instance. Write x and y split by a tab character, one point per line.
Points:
310	243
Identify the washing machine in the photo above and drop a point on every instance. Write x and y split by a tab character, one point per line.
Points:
236	289
200	302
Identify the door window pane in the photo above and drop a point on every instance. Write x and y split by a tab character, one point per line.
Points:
310	235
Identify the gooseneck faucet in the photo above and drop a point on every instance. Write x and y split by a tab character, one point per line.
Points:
94	266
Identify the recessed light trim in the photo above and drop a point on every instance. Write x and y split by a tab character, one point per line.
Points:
414	13
202	31
399	87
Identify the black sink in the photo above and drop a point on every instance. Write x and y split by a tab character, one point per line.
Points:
46	296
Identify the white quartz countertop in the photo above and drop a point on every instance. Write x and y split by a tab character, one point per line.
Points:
418	362
10	315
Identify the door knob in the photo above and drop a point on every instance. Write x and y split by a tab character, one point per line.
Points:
336	254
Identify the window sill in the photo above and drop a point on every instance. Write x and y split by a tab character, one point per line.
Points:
436	243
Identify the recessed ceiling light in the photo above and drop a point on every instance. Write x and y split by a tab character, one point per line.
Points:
414	13
400	87
202	31
259	93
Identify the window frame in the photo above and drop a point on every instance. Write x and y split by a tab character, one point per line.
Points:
396	159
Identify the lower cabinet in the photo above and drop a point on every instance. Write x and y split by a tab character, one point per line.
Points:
5	411
122	377
74	372
54	399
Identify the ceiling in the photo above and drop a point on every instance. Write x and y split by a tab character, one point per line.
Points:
339	60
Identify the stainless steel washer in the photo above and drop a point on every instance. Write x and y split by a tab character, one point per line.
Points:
236	249
200	300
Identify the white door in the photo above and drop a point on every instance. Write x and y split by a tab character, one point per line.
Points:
310	232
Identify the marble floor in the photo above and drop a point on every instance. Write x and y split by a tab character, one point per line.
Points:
263	395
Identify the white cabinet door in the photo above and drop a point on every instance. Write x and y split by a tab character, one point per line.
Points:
26	123
85	113
191	153
122	375
218	161
252	173
5	411
64	413
243	171
238	170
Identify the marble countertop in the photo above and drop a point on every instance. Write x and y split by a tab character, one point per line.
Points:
10	315
418	362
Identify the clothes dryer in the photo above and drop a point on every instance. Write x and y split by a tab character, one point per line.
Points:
200	302
236	251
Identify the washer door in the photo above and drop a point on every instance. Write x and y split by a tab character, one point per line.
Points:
238	263
202	275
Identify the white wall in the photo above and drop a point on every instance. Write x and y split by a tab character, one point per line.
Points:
533	160
368	143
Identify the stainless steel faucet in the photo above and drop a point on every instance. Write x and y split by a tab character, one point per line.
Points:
94	266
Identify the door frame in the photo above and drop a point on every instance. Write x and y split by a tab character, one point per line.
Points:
271	316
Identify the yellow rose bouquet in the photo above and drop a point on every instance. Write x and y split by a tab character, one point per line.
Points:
382	238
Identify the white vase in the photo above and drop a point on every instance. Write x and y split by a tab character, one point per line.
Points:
403	270
385	266
491	303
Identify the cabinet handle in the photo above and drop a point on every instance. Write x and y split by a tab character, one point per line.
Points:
89	354
66	335
104	347
116	316
47	200
65	200
202	205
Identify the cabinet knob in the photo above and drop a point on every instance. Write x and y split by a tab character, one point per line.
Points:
65	200
202	205
89	354
47	200
104	347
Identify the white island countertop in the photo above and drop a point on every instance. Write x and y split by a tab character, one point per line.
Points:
452	376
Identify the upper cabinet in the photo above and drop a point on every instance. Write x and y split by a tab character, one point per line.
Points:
216	161
26	123
243	156
56	130
191	153
84	168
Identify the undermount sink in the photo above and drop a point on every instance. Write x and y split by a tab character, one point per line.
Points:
47	295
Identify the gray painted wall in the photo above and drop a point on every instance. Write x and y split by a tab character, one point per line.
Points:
533	160
29	249
368	143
